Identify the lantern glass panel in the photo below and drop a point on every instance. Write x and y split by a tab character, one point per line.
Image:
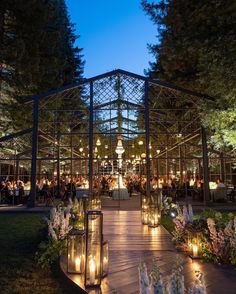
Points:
153	216
105	258
80	216
144	203
76	252
145	216
93	266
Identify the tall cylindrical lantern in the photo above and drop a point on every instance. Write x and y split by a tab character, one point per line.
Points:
76	251
105	258
93	257
144	204
153	216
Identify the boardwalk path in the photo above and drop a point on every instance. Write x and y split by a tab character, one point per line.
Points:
129	241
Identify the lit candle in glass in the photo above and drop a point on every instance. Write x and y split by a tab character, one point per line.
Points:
195	251
92	269
78	264
105	262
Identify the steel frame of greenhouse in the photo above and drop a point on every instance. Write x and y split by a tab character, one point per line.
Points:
68	121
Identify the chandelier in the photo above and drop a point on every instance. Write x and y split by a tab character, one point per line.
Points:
119	148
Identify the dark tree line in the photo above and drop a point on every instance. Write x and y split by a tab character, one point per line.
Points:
38	52
196	49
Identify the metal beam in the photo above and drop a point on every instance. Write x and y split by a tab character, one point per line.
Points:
33	177
15	135
205	167
147	137
91	141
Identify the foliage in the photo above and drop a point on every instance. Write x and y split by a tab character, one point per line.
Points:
58	228
214	232
50	252
20	234
37	54
196	49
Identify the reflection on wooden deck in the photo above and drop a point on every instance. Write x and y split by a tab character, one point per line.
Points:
130	241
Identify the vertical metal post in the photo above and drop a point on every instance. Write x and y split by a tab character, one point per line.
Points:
147	134
91	141
222	167
17	168
33	177
180	165
58	165
206	189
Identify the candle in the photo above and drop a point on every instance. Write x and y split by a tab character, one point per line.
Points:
92	268
195	251
105	262
78	264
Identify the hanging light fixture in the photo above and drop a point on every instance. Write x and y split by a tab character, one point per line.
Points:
98	143
119	148
81	149
140	142
158	151
106	146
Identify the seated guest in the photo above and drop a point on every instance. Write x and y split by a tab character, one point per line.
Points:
21	192
220	192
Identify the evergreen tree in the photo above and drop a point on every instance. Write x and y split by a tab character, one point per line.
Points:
37	42
196	49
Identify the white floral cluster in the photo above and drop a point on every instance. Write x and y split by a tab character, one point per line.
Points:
174	283
223	241
184	217
59	222
168	205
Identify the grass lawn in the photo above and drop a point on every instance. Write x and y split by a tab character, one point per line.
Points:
20	235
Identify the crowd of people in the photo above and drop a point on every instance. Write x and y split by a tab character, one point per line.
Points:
16	192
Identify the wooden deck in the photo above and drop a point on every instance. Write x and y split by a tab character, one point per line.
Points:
130	241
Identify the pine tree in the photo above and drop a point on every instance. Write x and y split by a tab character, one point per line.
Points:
39	53
196	49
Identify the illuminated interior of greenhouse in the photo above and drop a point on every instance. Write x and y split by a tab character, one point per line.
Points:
115	136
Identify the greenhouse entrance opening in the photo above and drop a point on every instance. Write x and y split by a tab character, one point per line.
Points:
114	137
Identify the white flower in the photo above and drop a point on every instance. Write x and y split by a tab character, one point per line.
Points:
175	284
190	213
157	286
51	232
144	287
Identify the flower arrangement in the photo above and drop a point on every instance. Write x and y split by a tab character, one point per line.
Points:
173	284
213	232
59	225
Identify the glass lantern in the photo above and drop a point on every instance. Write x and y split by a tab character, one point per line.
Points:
145	216
195	247
95	203
80	216
105	258
93	257
153	216
144	205
76	251
144	202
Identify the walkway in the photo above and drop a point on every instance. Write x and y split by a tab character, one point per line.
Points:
129	241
